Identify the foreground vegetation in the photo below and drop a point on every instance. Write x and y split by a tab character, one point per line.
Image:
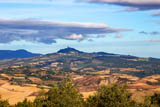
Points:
64	94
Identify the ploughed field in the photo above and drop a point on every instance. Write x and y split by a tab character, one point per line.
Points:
16	93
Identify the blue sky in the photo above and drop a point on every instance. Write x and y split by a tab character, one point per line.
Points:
67	23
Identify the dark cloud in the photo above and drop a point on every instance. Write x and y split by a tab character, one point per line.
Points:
155	33
150	33
134	4
90	40
48	31
143	32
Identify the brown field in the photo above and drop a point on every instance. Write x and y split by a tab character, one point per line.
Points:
103	72
87	85
129	77
130	69
36	80
153	77
6	76
15	93
97	62
87	94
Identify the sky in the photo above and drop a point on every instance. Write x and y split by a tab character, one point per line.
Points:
130	27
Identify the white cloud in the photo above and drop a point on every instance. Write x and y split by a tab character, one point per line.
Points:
48	31
118	36
157	13
75	36
155	40
101	36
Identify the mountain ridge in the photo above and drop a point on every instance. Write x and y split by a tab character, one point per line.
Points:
69	50
21	53
72	60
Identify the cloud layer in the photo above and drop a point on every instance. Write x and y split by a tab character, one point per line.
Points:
48	31
134	4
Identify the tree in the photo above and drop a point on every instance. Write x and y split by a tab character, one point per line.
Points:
152	101
61	95
110	96
3	103
25	103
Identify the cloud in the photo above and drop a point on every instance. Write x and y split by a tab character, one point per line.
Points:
157	13
101	36
157	21
155	33
118	36
143	32
90	40
134	4
75	36
49	31
154	40
150	33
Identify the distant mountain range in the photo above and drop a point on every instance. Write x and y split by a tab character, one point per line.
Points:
72	60
9	54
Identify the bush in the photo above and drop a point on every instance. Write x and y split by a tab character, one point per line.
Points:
110	96
61	95
4	103
25	103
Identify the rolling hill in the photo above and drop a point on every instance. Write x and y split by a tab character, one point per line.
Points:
88	70
72	60
8	54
